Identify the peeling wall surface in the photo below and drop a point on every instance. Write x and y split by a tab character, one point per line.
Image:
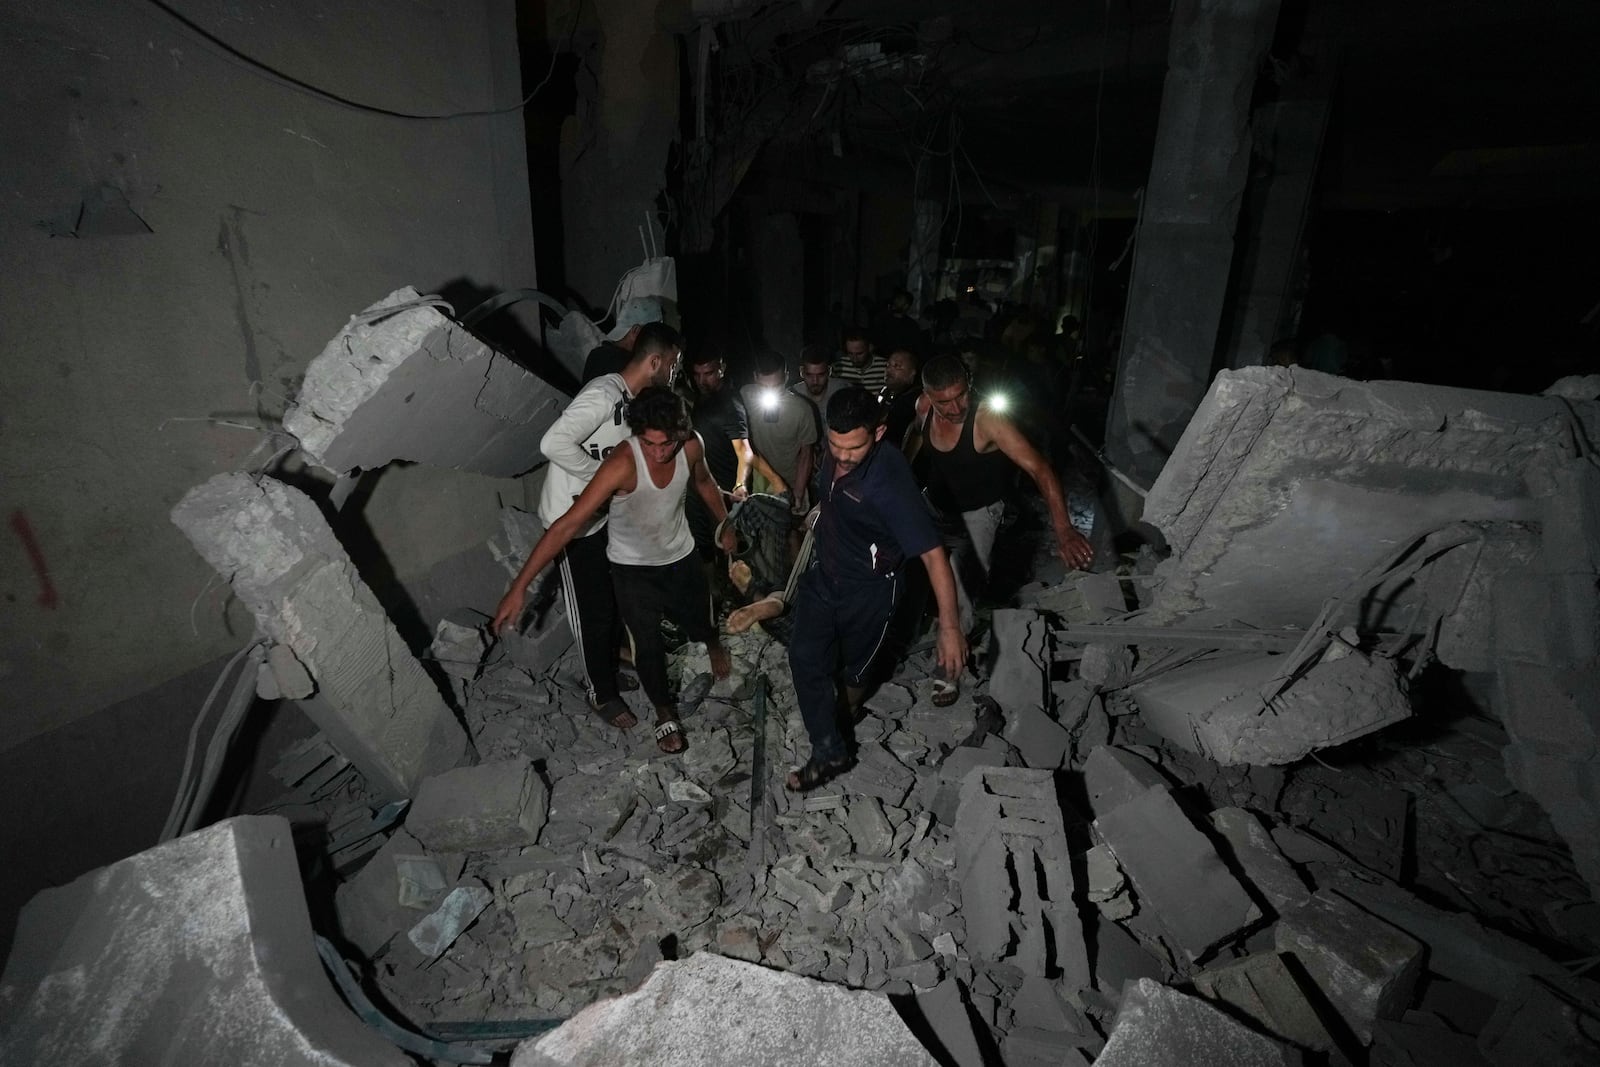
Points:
181	235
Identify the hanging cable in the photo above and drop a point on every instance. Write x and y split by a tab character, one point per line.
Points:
289	81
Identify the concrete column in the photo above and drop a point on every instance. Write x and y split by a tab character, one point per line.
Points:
1290	135
779	262
923	265
1185	241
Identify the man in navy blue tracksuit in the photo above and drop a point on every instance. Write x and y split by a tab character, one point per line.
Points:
871	520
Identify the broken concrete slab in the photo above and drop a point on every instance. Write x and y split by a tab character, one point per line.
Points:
1266	990
945	1012
1365	967
1017	888
1176	872
1039	738
376	905
1160	1027
1020	675
1218	707
1286	481
375	702
480	809
196	951
414	385
710	1011
1112	776
1264	866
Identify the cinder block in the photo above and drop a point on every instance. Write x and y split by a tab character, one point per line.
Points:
478	809
1366	968
1176	872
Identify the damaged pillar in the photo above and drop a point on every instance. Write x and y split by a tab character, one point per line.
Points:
375	702
1185	238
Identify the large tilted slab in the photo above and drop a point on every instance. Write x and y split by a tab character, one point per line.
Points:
196	952
374	700
710	1011
416	386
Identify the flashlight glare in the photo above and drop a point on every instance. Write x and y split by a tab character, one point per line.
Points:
769	400
998	402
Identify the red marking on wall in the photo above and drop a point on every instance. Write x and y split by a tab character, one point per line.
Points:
30	545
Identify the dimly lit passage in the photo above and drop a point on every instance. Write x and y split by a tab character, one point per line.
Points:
815	532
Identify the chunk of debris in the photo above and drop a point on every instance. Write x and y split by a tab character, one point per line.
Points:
1264	866
375	702
1160	1027
710	1011
377	904
1265	990
1017	888
438	930
1459	947
1108	889
1366	968
1226	708
402	381
1112	776
1176	872
479	809
139	961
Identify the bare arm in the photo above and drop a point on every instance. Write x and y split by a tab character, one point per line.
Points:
742	453
915	432
763	468
952	646
616	475
1073	546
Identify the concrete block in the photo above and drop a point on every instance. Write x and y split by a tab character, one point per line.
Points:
413	385
375	702
1264	866
1028	1046
198	951
1160	1027
1176	872
478	809
711	1011
1459	947
1114	776
1106	666
1265	990
1119	958
1365	967
1551	1022
1039	738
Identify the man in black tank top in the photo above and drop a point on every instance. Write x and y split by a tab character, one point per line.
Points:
971	451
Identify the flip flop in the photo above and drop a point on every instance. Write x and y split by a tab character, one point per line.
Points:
670	728
945	692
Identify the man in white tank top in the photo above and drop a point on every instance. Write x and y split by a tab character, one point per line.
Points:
653	563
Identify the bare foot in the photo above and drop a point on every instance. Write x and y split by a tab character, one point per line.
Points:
669	735
739	574
721	662
768	607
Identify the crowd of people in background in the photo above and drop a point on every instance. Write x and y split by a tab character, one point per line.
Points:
853	488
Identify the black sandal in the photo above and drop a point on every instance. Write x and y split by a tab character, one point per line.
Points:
816	773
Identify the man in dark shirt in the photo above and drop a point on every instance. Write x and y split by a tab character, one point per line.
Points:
899	395
870	523
611	355
719	419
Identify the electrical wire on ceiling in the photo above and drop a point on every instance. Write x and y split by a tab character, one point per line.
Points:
289	81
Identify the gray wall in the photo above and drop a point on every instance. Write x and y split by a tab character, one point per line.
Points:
272	216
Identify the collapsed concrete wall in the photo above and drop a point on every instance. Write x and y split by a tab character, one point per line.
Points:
374	700
198	951
413	385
